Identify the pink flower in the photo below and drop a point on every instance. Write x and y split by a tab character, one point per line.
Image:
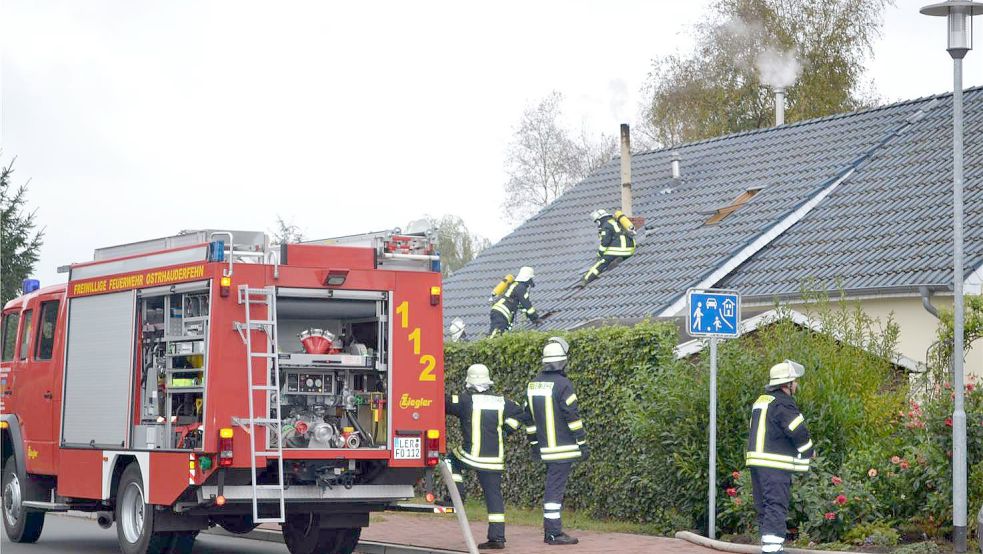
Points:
836	480
732	492
970	387
895	460
872	473
840	500
738	501
948	422
904	464
736	475
830	516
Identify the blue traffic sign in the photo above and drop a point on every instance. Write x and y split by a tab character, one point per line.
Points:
713	313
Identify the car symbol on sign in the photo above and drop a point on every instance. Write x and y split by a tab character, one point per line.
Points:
711	302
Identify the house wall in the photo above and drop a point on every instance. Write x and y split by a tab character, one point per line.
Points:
917	327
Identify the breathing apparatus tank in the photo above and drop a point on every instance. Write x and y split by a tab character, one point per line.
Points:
499	289
623	220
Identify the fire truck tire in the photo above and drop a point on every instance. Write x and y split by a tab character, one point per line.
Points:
183	542
302	535
21	525
239	525
135	517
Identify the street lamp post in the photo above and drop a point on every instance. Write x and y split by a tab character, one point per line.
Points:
959	14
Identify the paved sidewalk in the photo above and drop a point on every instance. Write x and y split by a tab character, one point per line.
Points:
443	532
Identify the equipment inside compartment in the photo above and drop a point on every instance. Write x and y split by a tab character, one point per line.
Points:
173	347
334	399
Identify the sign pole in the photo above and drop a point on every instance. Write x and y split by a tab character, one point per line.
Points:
712	517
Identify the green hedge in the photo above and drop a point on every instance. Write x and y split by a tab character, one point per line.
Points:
602	361
646	416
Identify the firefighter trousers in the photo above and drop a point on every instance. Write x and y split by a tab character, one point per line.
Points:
499	324
556	484
772	491
604	263
491	487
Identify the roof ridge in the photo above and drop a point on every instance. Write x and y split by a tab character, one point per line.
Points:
802	123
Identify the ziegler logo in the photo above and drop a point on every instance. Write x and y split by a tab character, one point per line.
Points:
31	453
408	402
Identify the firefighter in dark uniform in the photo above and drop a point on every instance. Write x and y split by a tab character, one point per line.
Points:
556	434
778	446
482	414
616	245
514	299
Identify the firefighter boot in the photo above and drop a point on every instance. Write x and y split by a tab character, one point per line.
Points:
560	538
492	545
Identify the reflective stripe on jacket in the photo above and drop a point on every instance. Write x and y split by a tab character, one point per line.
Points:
514	298
557	429
778	437
614	240
482	417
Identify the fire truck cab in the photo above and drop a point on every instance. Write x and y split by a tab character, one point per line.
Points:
208	378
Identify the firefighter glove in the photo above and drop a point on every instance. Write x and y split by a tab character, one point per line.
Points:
584	452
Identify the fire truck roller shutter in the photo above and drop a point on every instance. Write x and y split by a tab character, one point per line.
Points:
98	369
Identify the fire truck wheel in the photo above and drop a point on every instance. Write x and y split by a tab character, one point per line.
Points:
239	525
135	518
302	535
183	542
21	525
347	540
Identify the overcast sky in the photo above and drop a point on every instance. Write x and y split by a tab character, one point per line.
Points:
135	120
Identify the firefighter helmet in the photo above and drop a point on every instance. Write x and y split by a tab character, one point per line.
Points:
599	214
525	274
478	376
456	329
562	342
554	352
785	372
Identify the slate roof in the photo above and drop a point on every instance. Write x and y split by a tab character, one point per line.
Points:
887	222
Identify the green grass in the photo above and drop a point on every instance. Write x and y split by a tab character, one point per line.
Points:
475	508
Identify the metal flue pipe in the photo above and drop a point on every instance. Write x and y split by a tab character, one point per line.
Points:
779	106
626	170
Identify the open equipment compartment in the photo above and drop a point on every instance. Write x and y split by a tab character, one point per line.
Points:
173	338
334	390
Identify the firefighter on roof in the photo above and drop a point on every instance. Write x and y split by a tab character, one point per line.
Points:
617	243
482	414
556	434
515	298
778	446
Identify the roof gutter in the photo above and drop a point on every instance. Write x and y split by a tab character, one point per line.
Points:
908	290
797	214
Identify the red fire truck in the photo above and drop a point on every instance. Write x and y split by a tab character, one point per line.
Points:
209	379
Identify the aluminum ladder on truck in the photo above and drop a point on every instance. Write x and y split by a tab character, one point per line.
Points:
252	298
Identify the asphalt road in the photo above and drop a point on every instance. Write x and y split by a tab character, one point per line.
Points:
83	536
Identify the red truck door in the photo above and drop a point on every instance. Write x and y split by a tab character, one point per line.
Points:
35	368
8	336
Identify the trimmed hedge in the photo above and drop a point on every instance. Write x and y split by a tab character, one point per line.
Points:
612	484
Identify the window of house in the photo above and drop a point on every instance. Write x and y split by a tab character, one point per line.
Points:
46	330
9	336
722	213
25	333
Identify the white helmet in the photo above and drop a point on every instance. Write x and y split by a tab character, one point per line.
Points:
478	376
554	351
525	274
785	372
456	329
599	214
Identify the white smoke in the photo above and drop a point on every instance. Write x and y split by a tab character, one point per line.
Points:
752	48
618	91
777	68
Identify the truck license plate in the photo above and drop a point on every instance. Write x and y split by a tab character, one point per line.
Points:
406	448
